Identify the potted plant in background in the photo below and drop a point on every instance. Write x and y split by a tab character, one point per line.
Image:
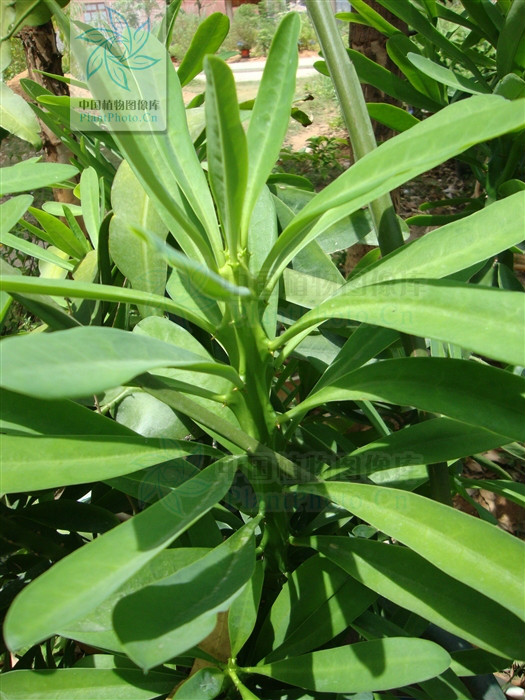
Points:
245	29
244	49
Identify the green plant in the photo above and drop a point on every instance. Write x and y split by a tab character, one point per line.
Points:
470	48
245	28
222	427
183	33
319	161
18	60
307	39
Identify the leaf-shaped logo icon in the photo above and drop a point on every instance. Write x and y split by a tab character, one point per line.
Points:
116	72
120	25
117	48
95	60
142	62
141	36
94	36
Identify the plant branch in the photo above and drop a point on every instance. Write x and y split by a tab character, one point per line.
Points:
359	126
355	115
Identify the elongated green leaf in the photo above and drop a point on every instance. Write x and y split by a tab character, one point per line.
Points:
316	604
35	251
373	18
393	117
262	234
7	19
42	307
470	550
511	86
100	567
312	260
205	684
21	414
150	485
511	490
5	304
465	123
12	210
74	516
511	41
399	48
474	238
226	148
89	360
457	388
214	424
478	12
436	440
97	628
204	280
59	234
31	463
141	264
242	615
190	297
307	290
89	196
391	571
271	111
168	618
59	209
83	290
480	319
364	344
446	76
165	30
246	693
31	175
51	271
446	686
207	39
392	85
417	20
111	660
149	417
362	667
357	227
169	332
86	684
476	662
17	117
457	18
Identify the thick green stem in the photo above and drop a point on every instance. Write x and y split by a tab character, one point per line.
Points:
360	130
439	481
355	115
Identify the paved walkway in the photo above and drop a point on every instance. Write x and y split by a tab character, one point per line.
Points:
251	71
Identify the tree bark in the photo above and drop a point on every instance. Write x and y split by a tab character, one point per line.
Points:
372	44
42	54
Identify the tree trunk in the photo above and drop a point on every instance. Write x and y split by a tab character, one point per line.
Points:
372	44
42	54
